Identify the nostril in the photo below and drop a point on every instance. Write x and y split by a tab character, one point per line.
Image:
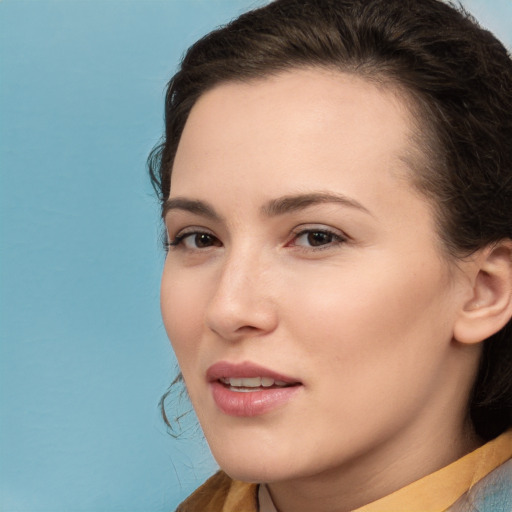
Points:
234	334
248	329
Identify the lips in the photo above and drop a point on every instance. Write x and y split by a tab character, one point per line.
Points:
225	370
248	389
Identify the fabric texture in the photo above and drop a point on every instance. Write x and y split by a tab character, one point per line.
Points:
222	494
481	481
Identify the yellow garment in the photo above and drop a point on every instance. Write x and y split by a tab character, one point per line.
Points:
221	494
436	492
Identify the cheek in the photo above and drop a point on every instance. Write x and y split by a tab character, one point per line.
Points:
181	299
372	347
374	321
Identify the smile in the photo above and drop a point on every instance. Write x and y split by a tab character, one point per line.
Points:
250	384
247	389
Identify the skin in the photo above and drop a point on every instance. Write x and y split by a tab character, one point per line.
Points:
365	320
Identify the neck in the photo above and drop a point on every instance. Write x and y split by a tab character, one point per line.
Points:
383	470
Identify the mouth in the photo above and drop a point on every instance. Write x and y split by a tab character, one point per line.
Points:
248	375
248	389
251	384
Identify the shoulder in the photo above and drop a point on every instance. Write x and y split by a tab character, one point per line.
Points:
220	493
491	494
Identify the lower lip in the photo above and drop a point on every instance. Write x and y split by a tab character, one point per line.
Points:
250	403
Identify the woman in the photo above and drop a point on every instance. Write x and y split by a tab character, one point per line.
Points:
336	182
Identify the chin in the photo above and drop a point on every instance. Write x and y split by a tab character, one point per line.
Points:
256	473
251	467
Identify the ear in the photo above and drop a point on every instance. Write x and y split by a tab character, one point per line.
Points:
489	307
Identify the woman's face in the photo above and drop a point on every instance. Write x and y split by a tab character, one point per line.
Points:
304	292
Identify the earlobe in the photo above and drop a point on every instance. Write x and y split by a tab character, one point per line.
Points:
489	307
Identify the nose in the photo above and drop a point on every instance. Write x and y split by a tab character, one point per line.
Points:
242	304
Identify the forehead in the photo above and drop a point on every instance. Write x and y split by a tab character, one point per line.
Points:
299	119
293	132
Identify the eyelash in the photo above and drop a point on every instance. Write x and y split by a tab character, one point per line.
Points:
335	239
177	241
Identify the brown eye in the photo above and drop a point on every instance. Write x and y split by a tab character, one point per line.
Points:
195	240
202	240
317	238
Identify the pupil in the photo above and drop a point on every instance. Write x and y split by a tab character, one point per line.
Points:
317	238
203	240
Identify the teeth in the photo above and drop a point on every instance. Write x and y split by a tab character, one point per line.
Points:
252	382
266	382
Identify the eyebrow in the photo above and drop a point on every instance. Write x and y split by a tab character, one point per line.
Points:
273	208
292	203
190	205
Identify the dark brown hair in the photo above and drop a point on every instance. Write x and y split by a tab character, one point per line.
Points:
459	78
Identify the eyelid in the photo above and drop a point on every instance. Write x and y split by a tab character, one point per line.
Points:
176	241
177	222
305	228
339	236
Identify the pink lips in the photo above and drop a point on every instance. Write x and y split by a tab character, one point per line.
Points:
248	403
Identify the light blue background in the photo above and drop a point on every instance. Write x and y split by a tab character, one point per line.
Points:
84	357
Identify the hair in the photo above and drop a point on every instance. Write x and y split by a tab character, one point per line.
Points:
457	78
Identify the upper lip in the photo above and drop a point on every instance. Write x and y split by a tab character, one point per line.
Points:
225	369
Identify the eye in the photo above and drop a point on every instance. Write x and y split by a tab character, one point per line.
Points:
317	238
195	240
